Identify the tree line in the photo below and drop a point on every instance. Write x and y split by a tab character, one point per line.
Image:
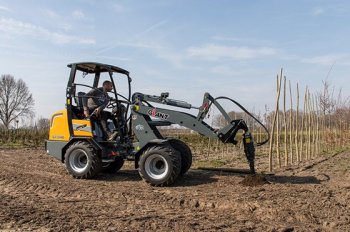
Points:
17	105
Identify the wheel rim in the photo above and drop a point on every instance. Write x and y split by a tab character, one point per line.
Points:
156	166
78	160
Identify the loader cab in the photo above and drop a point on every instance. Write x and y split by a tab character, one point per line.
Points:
87	76
69	125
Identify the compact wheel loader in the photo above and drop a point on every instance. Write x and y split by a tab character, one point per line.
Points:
79	143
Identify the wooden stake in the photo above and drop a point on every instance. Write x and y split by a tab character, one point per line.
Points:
297	126
302	126
309	125
291	124
274	120
285	123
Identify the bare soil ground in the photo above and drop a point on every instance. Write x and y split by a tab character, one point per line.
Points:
36	194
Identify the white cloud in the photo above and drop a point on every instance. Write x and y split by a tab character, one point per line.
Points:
216	52
77	14
57	20
60	38
317	11
4	8
15	27
328	59
65	26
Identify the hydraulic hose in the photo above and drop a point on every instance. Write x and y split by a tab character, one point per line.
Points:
247	112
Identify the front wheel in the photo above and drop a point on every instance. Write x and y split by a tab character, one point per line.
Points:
186	154
160	165
81	160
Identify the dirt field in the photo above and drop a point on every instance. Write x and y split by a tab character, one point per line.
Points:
36	194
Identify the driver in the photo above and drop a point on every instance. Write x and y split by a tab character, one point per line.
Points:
94	102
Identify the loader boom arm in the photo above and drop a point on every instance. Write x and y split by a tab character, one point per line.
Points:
145	128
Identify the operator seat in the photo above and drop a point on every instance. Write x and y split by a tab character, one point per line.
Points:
79	100
78	110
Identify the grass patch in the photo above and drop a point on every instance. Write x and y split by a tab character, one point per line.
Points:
210	163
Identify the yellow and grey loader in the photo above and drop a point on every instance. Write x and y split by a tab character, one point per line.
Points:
79	143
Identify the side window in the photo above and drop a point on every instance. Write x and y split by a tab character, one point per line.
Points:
120	81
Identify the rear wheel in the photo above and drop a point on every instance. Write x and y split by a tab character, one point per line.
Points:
186	154
160	165
113	167
81	160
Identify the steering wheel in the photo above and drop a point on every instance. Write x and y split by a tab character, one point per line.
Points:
112	104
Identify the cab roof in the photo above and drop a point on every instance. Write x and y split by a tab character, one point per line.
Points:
92	67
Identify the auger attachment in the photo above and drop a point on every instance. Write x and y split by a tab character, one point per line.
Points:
249	150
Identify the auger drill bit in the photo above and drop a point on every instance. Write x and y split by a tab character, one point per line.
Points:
249	150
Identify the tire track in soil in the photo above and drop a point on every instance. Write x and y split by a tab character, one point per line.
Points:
38	195
27	193
19	186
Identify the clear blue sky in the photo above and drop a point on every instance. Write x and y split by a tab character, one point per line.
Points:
225	47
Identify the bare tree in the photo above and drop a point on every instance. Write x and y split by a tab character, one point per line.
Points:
15	100
43	124
326	98
220	121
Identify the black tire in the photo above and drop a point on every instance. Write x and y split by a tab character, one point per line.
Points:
186	154
160	165
113	167
81	160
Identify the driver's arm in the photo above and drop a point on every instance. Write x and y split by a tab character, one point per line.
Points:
105	102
